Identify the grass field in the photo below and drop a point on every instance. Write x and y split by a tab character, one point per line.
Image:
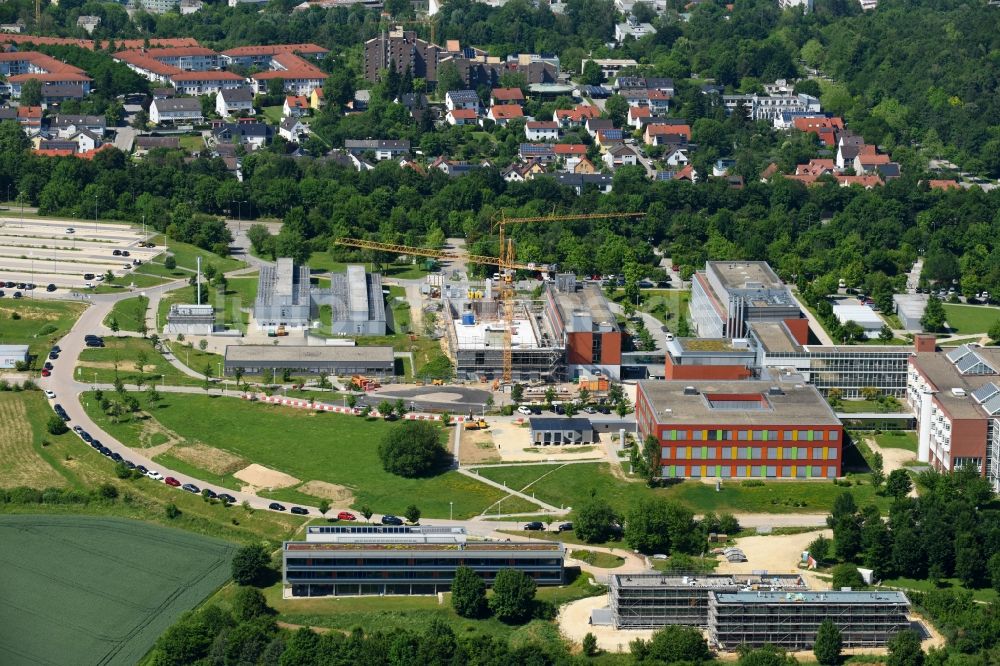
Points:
186	257
598	559
99	589
417	612
897	439
571	485
984	595
970	318
130	314
82	468
124	352
39	323
335	448
133	280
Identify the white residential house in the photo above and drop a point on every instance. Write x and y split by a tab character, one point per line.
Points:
619	156
295	106
234	102
541	130
178	110
293	129
677	157
86	141
191	6
632	27
462	117
461	99
88	23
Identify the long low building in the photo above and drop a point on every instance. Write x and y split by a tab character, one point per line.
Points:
340	360
790	620
11	355
654	600
354	560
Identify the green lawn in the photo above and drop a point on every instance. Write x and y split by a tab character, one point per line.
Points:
665	304
134	280
37	323
598	559
400	309
417	612
125	353
192	144
334	448
572	485
272	114
229	308
100	589
985	595
129	314
897	439
82	468
970	318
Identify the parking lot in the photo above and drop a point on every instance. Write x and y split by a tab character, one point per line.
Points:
47	252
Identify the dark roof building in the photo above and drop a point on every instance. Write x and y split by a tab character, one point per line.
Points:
561	430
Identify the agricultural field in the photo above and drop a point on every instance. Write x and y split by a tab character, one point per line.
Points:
37	323
966	319
23	459
129	314
99	589
572	485
315	455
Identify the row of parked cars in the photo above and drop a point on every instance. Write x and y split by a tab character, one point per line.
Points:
21	287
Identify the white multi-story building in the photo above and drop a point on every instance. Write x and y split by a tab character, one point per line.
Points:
769	107
956	397
729	294
632	27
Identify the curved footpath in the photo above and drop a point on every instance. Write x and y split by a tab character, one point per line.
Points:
68	392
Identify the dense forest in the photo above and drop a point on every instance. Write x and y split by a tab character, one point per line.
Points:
951	531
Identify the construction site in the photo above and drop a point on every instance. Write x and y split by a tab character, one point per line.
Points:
654	600
790	620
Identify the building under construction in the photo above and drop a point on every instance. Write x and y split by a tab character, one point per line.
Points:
790	620
569	331
653	600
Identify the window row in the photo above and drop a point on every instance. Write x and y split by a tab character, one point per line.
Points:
719	435
749	453
748	471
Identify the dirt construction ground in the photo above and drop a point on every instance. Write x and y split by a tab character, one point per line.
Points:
258	476
514	443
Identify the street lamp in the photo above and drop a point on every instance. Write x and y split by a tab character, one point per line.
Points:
95	213
451	510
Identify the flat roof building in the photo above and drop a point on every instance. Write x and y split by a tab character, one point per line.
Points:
582	319
742	429
728	295
561	430
790	620
337	360
956	397
853	310
380	560
358	306
11	355
654	600
283	296
190	319
910	310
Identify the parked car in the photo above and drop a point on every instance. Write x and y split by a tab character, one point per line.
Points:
129	464
70	230
524	410
125	253
117	457
47	366
154	475
534	526
46	372
392	520
50	394
565	527
171	481
191	488
142	470
589	410
85	436
56	348
116	253
209	493
346	515
227	498
53	355
300	511
274	506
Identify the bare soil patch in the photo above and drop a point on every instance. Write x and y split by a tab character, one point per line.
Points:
331	491
20	464
209	458
259	476
477	447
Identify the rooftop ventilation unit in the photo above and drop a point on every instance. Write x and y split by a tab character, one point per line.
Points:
690	390
775	390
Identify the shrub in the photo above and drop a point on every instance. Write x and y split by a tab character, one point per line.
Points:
107	491
56	426
172	511
250	564
513	596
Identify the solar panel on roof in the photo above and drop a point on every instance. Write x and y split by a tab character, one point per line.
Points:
968	363
958	353
985	392
992	406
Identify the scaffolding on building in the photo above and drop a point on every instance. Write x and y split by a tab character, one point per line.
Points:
790	620
651	601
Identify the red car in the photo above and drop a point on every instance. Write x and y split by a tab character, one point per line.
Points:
346	515
45	373
171	481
